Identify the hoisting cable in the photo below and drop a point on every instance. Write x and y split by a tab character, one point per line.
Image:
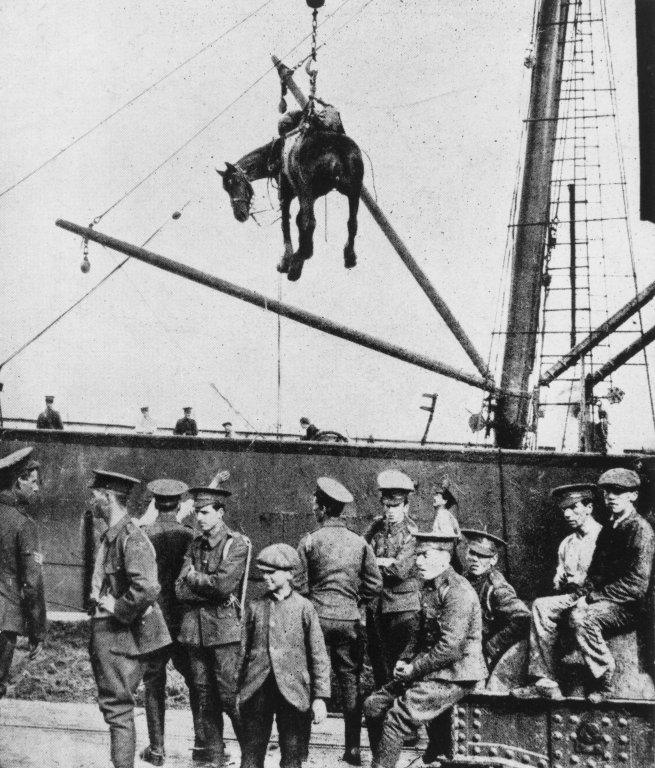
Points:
133	99
83	297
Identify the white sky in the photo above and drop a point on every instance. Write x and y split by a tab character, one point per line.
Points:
433	92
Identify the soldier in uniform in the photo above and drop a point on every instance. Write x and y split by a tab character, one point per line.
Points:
440	665
505	618
22	604
186	425
209	587
49	419
171	541
339	574
127	623
612	596
395	619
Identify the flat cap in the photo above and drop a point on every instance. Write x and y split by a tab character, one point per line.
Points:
620	477
14	464
394	480
567	495
113	481
187	408
482	542
333	489
204	495
167	488
278	557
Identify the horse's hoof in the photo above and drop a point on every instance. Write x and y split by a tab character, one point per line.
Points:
349	261
282	268
295	271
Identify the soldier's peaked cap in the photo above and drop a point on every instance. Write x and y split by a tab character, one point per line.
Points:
333	489
278	557
620	477
482	542
167	488
14	464
393	480
205	495
113	481
49	398
567	495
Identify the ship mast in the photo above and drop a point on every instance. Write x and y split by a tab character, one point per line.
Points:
532	226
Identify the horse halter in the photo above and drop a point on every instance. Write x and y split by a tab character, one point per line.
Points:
241	175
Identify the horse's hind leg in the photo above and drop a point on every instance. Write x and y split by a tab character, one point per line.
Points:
349	255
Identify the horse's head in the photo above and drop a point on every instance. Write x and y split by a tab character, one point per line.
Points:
239	188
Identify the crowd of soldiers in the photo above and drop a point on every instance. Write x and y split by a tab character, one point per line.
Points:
432	608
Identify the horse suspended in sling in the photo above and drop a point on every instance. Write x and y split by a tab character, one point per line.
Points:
308	161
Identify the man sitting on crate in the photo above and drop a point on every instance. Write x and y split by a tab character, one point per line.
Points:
440	665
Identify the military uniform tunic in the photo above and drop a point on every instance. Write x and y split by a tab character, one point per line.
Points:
505	618
49	419
208	589
125	568
185	426
447	661
22	602
393	622
338	573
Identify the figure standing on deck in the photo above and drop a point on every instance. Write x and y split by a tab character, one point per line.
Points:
186	425
505	618
575	504
126	620
170	540
394	621
339	574
284	669
442	663
209	587
49	418
22	602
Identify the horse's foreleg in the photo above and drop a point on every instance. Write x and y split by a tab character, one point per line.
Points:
349	255
285	196
306	224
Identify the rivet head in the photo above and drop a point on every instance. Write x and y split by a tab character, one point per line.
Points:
607	738
622	721
461	749
623	756
543	764
461	723
607	755
509	753
460	710
557	734
574	719
557	753
493	751
476	750
557	718
623	739
526	758
572	735
557	765
477	712
591	763
575	759
461	737
476	737
476	724
606	721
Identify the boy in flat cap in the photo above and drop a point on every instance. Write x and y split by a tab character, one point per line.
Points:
612	596
505	618
170	540
440	665
186	425
22	602
49	418
208	587
284	670
575	504
395	619
126	620
339	574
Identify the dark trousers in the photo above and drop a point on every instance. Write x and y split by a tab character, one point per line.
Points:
257	721
7	645
117	677
344	643
395	712
214	677
154	680
388	635
592	624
